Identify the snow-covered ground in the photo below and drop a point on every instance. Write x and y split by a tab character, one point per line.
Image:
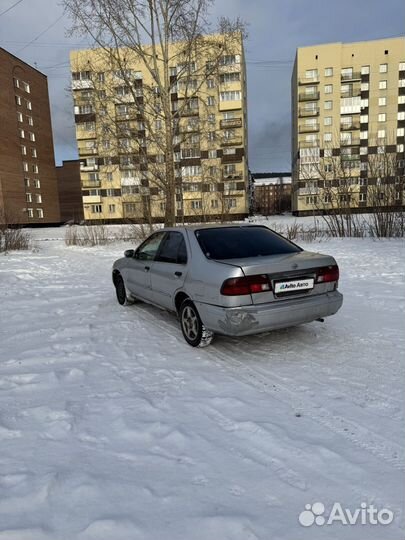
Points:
113	428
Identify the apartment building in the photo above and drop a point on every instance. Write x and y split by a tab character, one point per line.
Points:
348	126
70	191
28	186
119	127
272	193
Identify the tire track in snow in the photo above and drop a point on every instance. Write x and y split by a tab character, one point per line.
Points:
356	434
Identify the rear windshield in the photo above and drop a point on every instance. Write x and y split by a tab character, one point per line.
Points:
242	242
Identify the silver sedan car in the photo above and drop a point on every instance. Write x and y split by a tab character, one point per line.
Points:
232	280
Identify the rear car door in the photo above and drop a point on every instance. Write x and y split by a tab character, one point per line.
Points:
138	277
169	269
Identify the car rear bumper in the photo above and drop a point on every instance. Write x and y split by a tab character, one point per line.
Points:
253	319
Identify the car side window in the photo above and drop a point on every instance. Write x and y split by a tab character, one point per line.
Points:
173	249
147	251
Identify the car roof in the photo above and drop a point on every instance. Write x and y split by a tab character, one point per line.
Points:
194	227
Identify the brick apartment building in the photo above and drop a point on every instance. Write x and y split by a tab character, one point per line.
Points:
28	185
70	191
272	193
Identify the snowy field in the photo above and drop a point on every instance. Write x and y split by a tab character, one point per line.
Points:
113	428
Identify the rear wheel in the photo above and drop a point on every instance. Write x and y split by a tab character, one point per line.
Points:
121	291
194	331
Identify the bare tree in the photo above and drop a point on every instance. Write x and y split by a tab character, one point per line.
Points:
168	39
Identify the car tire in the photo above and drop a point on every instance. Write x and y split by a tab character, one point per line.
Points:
194	331
121	292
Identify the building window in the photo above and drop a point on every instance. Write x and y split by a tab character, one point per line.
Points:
327	121
210	83
212	154
38	198
230	203
37	184
214	203
364	86
382	101
362	197
383	68
231	95
28	105
311	74
32	136
26	182
401	100
328	72
312	199
19	117
30	120
23	150
365	70
382	85
22	133
111	208
34	168
40	213
25	166
401	66
211	118
401	115
97	208
382	117
196	204
400	132
401	83
328	105
211	135
328	88
34	152
327	137
28	197
210	101
30	212
381	134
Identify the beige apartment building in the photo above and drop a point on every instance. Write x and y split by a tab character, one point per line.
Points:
119	128
348	126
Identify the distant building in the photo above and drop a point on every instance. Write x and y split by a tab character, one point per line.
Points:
28	186
348	126
70	191
121	164
272	193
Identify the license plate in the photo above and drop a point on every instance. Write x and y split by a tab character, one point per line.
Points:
294	286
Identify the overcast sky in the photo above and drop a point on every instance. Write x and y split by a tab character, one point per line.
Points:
35	30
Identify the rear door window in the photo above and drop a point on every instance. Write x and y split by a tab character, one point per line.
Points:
173	249
242	242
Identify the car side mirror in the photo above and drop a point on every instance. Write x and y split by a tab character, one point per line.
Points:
129	253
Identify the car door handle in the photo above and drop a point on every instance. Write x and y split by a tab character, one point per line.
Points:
147	268
178	274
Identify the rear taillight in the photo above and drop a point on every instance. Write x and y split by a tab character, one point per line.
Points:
328	274
245	285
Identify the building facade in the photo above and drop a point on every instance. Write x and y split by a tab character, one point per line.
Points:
28	186
70	191
272	193
348	124
118	121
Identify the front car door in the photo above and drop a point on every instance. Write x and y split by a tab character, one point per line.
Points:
169	269
138	268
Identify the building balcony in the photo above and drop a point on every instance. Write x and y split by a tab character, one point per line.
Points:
189	112
231	123
91	184
82	85
350	127
304	96
354	141
235	141
308	80
91	199
309	144
88	168
351	94
308	128
234	175
309	191
303	113
87	151
355	76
